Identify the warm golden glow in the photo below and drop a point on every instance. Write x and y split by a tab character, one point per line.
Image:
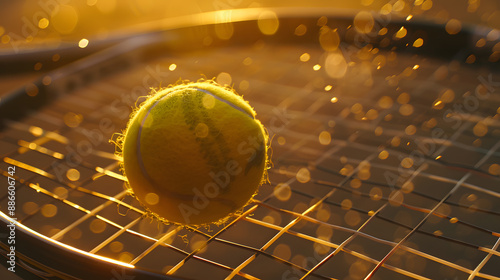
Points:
335	65
453	26
73	174
224	79
152	199
401	33
494	169
268	22
20	226
300	30
329	39
43	23
83	43
282	192
305	57
65	19
364	22
385	102
303	175
325	138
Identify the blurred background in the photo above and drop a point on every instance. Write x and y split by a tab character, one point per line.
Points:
28	24
31	22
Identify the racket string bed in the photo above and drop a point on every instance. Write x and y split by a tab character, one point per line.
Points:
348	198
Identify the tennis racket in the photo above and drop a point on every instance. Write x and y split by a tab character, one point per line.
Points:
385	151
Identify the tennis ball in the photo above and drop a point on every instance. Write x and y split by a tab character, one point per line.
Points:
194	153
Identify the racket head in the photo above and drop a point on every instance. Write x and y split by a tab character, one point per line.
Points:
284	99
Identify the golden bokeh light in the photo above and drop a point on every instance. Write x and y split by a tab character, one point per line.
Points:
407	187
116	246
244	85
364	174
383	154
355	183
31	89
352	218
453	26
303	175
406	109
324	230
43	23
401	33
407	162
320	248
305	57
494	169
38	66
385	102
371	114
300	30
275	217
356	108
427	5
323	214
83	43
346	204
61	192
268	22
411	129
198	242
64	19
480	129
403	98
49	210
224	79
72	119
30	208
364	22
152	199
376	193
447	96
97	226
247	61
325	138
329	39
46	80
125	257
73	174
335	65
346	170
75	233
224	31
282	192
386	9
418	43
396	198
106	6
283	251
201	130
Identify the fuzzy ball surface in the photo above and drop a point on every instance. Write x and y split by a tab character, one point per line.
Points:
194	153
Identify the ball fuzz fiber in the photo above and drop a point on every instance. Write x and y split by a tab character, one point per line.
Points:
194	153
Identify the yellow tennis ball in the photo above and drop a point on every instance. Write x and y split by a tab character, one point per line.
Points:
194	153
